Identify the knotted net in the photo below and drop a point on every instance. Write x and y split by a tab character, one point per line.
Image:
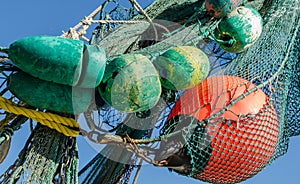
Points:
272	64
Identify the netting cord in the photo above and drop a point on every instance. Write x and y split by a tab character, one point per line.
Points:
84	24
117	139
273	77
66	126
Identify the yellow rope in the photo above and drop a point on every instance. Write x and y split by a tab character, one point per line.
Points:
66	126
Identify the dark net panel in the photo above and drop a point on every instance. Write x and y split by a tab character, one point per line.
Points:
278	43
293	106
47	157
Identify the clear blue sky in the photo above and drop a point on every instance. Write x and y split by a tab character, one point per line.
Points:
35	17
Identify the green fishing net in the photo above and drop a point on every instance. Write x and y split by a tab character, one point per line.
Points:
218	148
47	157
271	63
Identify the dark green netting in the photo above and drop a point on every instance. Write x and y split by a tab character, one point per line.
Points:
48	157
258	64
293	106
279	44
272	63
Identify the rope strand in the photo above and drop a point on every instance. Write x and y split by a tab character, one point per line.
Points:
66	126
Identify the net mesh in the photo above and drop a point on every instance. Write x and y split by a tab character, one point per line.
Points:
271	64
277	46
45	159
202	125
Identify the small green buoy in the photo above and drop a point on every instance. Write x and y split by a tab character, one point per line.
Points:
130	84
182	67
61	60
49	95
239	30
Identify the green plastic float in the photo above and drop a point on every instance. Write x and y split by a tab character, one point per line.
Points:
94	63
182	67
242	27
61	60
49	95
130	84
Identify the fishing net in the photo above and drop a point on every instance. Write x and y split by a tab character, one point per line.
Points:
271	64
47	157
219	135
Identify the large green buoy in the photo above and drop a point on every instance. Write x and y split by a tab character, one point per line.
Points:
239	30
182	67
130	83
49	95
61	60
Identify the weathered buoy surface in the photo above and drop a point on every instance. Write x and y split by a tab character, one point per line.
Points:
182	67
241	140
49	58
60	60
242	26
220	8
93	66
49	95
130	83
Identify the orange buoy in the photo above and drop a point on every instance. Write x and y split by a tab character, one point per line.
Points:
241	140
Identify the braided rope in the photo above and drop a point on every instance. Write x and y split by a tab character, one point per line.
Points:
66	126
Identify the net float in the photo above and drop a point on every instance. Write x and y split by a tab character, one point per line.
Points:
239	30
49	95
182	67
130	83
61	60
230	147
220	8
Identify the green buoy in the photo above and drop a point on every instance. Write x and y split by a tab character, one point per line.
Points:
239	30
130	83
49	95
182	67
94	63
61	60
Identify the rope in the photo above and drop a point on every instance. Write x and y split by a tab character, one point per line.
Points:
116	21
82	23
140	9
66	126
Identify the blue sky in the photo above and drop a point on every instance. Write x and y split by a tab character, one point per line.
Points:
34	17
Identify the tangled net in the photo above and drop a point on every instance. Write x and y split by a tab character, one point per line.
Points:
248	142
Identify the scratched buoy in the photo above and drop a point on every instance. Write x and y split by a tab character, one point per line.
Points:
49	95
242	27
130	83
60	60
182	67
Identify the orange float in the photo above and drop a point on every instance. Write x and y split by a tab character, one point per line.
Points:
242	139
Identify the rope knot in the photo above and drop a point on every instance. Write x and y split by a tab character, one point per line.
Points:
87	21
